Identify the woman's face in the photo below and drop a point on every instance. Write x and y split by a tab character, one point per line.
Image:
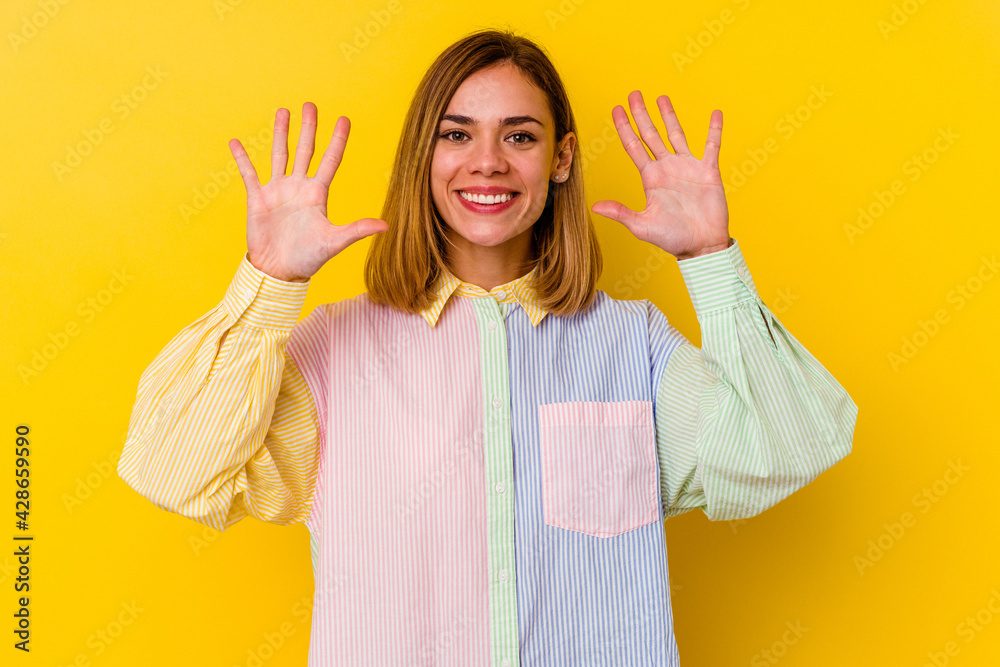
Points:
497	138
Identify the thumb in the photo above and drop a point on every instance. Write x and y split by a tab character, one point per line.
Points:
616	211
342	236
365	227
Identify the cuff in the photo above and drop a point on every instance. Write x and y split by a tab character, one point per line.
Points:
718	280
257	299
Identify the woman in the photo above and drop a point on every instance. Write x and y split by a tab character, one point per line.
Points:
484	446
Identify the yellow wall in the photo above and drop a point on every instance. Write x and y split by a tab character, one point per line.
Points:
828	106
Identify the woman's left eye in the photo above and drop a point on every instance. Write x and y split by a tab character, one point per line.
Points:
518	138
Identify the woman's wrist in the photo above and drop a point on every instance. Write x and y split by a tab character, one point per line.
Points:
707	250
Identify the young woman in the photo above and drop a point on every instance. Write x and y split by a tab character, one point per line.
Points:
483	445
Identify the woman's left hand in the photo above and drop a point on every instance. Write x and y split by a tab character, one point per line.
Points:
686	213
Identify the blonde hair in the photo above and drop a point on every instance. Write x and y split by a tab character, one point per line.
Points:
404	261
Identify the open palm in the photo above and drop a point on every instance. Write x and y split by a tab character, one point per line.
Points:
686	213
289	235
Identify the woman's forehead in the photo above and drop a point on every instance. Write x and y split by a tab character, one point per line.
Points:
498	93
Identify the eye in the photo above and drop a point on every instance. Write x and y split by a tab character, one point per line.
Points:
527	137
449	133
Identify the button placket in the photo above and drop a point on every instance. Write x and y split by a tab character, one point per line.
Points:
498	473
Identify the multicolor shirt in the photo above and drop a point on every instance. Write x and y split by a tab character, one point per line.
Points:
485	483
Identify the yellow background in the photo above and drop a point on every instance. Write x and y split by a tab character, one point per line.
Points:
116	581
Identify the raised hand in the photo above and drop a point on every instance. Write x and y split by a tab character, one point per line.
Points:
289	236
686	213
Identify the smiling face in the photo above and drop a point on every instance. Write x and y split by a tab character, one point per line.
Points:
494	157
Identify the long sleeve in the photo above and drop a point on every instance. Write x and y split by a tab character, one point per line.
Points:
752	416
224	424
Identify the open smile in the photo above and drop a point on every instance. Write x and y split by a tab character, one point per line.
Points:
487	203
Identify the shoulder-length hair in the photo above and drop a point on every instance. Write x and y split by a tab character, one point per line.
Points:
404	262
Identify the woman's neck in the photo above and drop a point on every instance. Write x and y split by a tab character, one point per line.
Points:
490	266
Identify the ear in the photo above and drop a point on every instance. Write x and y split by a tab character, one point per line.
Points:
564	154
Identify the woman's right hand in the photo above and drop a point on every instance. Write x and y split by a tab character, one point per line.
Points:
289	236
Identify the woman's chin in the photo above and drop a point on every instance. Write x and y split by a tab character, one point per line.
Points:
485	235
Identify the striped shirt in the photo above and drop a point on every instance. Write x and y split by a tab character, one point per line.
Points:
485	483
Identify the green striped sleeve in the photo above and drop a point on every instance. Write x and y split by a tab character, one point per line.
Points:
752	416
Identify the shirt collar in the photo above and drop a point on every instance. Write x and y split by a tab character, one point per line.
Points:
519	290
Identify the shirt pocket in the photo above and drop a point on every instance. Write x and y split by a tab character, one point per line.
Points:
598	466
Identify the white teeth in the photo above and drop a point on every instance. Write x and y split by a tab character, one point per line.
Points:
487	199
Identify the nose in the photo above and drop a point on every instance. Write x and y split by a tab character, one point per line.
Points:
486	157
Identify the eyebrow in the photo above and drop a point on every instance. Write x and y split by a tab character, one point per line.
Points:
505	122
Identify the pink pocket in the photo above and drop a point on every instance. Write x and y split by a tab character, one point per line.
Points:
598	466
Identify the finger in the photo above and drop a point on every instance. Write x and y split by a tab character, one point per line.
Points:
279	145
334	154
630	141
674	132
650	135
616	211
307	140
714	142
342	236
249	174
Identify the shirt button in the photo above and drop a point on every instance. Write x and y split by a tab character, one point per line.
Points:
491	325
502	575
500	487
743	272
497	403
501	295
505	663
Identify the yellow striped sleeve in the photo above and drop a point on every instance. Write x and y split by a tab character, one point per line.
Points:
224	424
